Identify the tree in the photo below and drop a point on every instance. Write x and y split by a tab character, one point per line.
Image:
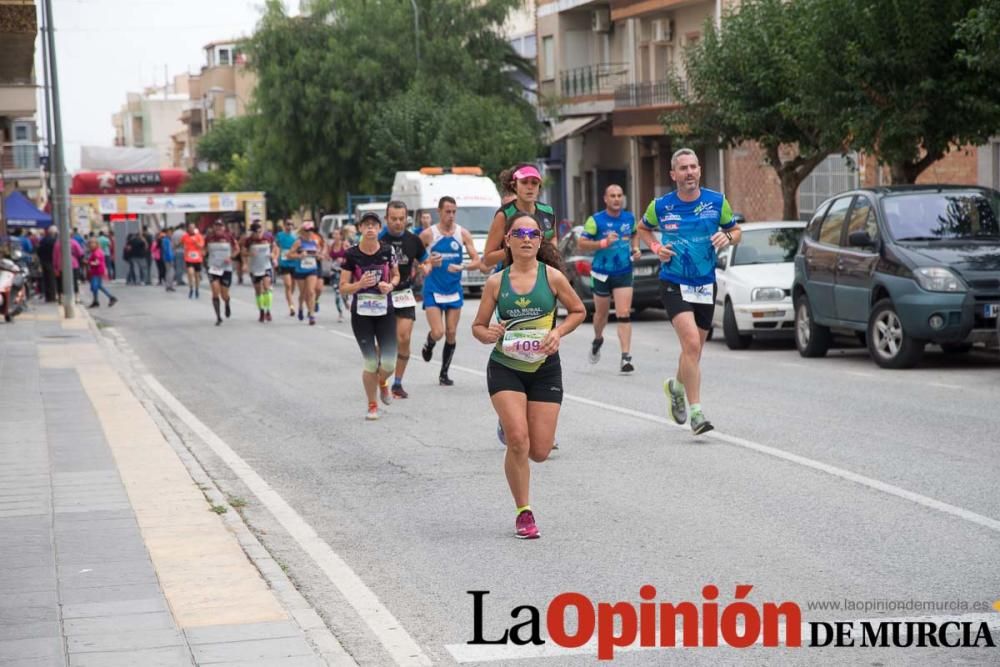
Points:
904	91
761	78
978	33
227	138
346	103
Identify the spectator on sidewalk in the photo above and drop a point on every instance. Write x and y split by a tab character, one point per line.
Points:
127	258
45	247
108	250
150	242
156	250
165	244
96	269
76	254
178	248
138	252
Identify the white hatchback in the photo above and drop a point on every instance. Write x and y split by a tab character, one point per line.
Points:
754	295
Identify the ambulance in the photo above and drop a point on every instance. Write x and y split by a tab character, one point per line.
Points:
477	198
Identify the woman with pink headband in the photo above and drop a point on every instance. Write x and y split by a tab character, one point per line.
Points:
525	182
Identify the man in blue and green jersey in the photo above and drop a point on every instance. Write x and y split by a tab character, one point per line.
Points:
611	235
686	228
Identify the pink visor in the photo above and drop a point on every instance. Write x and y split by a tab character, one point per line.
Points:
527	172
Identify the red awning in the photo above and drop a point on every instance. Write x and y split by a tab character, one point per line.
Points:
127	182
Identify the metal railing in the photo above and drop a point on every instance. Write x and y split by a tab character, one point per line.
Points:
645	94
597	79
20	157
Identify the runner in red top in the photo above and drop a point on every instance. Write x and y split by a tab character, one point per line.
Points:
222	248
194	253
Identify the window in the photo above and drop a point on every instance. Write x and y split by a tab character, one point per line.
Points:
230	108
21	132
831	176
548	57
833	224
863	218
223	56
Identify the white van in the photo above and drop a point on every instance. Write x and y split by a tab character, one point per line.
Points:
476	196
332	223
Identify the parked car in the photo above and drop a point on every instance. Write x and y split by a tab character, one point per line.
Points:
646	285
902	267
754	278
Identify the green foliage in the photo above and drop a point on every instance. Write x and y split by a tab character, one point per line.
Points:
346	103
979	33
904	91
760	78
227	139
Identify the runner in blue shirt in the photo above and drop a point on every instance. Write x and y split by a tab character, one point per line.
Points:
443	285
611	235
691	224
285	239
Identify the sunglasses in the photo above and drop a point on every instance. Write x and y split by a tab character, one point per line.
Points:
524	233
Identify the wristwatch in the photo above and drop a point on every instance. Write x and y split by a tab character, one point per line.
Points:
729	235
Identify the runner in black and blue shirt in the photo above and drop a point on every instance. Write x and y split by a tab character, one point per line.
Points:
611	235
686	228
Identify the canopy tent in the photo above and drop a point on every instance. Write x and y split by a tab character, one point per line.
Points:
20	212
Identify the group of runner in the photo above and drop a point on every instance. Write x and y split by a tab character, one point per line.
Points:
685	228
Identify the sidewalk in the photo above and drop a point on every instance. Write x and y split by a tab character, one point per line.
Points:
111	553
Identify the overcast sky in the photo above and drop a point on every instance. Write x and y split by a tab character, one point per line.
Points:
106	48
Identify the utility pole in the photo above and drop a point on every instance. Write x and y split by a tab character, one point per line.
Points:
416	28
48	105
60	192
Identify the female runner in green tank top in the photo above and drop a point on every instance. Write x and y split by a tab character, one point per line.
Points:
524	182
524	375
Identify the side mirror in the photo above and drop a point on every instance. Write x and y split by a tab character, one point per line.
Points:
721	262
860	239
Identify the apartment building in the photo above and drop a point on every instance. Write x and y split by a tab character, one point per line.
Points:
222	89
604	65
520	32
150	119
20	156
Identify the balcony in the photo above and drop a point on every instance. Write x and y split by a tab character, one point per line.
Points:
592	81
651	94
18	27
22	160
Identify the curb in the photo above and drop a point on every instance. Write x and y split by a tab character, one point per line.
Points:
128	365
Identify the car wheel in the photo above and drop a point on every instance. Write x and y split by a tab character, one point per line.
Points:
889	344
734	339
956	348
811	339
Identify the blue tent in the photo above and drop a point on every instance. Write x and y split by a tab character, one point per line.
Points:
20	212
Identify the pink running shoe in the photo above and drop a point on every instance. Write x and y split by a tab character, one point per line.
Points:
525	526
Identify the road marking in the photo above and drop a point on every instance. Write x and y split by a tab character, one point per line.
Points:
403	649
863	374
465	653
891	489
944	386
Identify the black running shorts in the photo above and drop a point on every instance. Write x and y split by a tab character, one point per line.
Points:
542	386
670	294
226	278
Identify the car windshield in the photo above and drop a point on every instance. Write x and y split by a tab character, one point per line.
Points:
938	216
476	219
767	246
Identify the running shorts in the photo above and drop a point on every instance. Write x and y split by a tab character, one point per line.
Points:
194	265
670	294
286	270
542	386
407	313
302	275
226	278
267	274
610	284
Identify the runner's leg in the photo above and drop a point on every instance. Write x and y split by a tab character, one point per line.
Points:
404	332
512	409
692	339
623	311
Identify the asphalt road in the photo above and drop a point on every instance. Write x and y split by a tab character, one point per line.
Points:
832	479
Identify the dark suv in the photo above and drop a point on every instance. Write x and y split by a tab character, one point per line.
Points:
901	266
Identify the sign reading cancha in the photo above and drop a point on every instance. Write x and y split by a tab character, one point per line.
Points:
163	181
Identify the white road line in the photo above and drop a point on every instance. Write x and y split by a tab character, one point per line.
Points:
891	489
465	653
396	640
944	386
